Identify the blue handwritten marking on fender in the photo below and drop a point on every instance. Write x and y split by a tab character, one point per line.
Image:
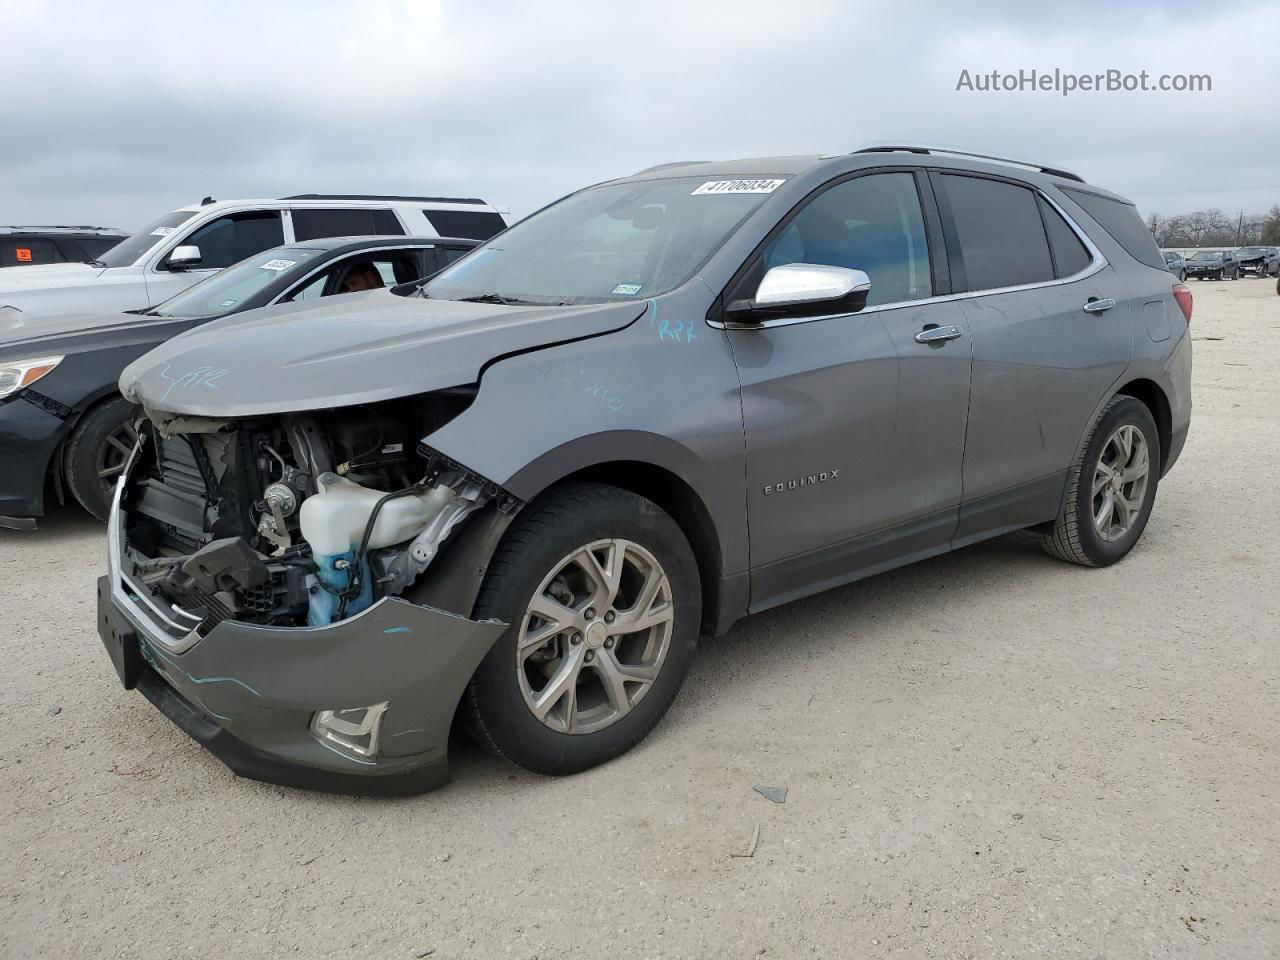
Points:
397	630
575	379
681	333
199	377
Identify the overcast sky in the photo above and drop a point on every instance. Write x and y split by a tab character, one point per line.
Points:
116	113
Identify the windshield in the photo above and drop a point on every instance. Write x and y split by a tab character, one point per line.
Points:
613	242
224	292
1207	255
126	252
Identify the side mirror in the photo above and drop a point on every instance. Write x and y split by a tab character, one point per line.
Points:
804	290
184	257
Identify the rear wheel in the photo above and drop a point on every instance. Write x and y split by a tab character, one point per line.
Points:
96	454
602	593
1111	487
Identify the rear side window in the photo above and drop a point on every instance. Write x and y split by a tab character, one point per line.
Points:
1121	220
27	252
470	224
230	239
95	247
310	224
1069	255
1001	236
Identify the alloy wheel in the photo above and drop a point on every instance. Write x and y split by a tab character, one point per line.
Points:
594	636
114	454
1120	482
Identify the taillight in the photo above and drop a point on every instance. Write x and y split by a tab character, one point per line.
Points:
1182	293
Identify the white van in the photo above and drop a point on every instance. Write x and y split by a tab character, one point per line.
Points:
183	247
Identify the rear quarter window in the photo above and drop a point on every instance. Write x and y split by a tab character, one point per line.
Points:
1121	220
469	224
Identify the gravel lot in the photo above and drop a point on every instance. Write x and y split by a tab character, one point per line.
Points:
990	754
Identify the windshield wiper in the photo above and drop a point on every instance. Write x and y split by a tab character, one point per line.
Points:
491	298
95	263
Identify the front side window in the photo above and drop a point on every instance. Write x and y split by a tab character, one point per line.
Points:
227	240
128	252
622	241
225	292
1001	235
361	271
871	223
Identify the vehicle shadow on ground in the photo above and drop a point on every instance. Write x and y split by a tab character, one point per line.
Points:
62	522
771	643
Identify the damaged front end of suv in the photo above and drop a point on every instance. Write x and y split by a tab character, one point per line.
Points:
280	557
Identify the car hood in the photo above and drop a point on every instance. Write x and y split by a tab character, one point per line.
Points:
359	348
21	336
23	279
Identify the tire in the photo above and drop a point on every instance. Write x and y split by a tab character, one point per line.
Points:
96	453
1182	276
578	733
1075	536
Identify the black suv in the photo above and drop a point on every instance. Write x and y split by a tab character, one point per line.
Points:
32	246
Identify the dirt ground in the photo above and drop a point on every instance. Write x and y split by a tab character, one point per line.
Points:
991	754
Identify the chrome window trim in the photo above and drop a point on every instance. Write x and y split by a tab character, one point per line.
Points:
1097	262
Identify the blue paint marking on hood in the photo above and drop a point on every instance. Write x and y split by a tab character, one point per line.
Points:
358	348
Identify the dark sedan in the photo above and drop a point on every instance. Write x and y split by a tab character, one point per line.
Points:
63	422
1213	265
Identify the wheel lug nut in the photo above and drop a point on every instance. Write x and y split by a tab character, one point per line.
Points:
610	617
589	613
575	639
590	656
608	643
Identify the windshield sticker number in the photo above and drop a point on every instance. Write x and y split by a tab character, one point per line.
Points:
737	186
162	231
627	289
278	264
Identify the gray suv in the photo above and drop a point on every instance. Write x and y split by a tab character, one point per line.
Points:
519	494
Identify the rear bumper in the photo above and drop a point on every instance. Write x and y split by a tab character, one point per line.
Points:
250	694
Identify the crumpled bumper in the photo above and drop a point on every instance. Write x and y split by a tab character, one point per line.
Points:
249	694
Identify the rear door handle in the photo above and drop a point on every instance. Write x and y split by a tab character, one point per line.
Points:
935	334
1099	306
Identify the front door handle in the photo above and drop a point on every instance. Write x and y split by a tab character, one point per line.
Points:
936	334
1099	306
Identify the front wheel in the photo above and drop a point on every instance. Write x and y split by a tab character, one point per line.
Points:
97	452
603	597
1110	489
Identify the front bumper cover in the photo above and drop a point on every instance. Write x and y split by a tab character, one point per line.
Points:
248	693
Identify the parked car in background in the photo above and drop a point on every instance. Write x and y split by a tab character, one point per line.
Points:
34	246
62	420
190	244
651	408
1212	265
1175	264
1259	261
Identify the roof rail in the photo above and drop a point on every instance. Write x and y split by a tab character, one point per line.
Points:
379	196
1052	171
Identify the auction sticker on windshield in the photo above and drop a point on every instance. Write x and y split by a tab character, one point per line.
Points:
737	186
278	264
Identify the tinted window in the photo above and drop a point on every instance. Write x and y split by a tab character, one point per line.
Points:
470	224
1070	256
94	247
870	223
230	239
309	224
1121	220
362	271
27	252
128	252
1001	236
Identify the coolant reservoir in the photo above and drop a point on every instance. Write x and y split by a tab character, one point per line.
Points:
334	518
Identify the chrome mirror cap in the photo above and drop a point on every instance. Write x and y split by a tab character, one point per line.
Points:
795	283
187	255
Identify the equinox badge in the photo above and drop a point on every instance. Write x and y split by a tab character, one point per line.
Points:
808	480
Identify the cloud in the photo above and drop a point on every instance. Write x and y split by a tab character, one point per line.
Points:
125	112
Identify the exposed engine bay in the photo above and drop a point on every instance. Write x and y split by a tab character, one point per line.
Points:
300	518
